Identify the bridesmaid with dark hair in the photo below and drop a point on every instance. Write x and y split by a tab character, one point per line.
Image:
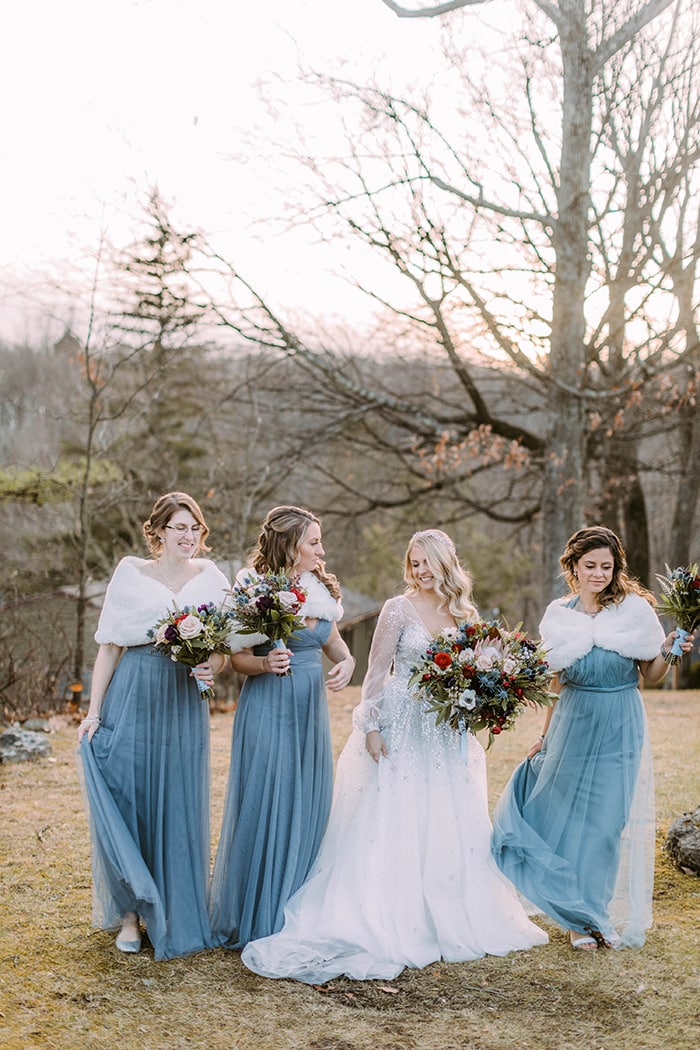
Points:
281	774
574	830
144	744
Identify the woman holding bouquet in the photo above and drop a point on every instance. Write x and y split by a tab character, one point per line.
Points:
281	774
404	876
574	829
144	744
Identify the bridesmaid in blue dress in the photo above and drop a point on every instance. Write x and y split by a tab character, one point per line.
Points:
574	829
281	774
144	745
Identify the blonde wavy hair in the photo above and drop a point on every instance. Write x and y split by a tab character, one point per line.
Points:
277	547
452	581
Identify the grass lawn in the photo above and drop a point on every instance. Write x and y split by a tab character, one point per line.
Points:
64	986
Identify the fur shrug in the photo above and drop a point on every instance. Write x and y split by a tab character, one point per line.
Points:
630	628
134	601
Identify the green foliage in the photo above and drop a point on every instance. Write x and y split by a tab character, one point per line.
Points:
59	485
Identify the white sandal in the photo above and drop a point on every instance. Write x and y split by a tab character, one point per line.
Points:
585	942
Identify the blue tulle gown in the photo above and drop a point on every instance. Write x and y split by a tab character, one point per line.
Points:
574	829
278	796
146	776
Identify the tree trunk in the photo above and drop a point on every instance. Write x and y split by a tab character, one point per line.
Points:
562	496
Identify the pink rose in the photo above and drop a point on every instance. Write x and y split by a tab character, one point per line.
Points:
190	627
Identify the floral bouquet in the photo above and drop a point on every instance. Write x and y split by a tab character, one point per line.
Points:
268	605
680	599
191	634
480	676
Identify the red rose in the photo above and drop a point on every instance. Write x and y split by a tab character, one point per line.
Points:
443	660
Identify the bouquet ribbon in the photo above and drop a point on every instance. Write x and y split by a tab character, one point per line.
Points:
279	643
681	636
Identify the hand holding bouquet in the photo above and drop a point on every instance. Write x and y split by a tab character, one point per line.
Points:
190	635
480	676
680	599
268	604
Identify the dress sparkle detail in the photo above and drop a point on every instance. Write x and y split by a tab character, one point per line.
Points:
404	876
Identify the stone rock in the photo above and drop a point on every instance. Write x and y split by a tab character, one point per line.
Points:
22	745
37	725
683	842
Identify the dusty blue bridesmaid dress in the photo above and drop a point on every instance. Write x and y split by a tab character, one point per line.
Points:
574	828
278	796
146	776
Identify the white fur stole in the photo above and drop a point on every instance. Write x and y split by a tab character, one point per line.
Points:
631	629
319	605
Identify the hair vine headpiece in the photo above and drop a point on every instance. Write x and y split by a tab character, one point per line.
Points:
435	534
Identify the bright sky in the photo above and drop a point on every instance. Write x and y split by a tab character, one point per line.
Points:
102	98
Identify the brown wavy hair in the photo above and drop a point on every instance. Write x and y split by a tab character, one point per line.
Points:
595	537
452	581
163	510
277	546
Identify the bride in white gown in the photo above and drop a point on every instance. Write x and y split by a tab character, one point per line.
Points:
404	876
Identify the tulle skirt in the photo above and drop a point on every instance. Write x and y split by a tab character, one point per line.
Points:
404	876
574	829
146	781
278	797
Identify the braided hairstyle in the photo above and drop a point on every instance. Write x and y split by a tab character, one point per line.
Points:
277	546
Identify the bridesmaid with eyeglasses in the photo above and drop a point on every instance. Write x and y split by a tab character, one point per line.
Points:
144	744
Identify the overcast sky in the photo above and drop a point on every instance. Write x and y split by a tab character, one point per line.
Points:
103	98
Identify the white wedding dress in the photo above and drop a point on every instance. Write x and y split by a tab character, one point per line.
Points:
404	875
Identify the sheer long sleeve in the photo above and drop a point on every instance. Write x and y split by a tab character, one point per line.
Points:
391	622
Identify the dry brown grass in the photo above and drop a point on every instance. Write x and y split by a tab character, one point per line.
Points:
64	986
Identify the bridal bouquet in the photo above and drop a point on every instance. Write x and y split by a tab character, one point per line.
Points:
191	634
481	676
680	599
268	604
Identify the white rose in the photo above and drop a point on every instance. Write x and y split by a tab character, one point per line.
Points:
190	627
466	656
510	665
160	634
288	600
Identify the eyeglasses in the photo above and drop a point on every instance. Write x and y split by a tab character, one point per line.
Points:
182	529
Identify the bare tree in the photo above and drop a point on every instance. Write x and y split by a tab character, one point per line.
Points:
504	230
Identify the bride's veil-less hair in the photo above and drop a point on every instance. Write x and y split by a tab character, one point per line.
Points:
163	510
452	582
277	546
